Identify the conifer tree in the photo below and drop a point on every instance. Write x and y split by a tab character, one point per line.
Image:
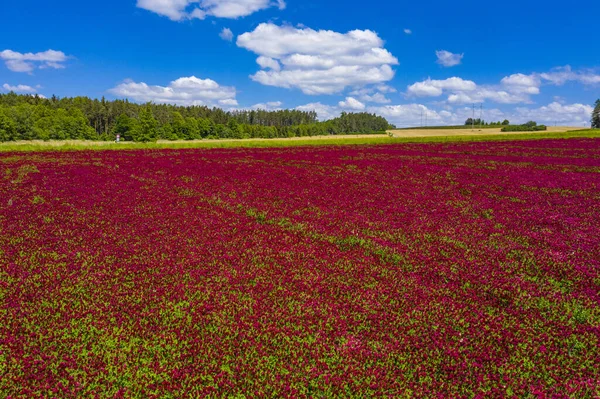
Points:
147	129
596	116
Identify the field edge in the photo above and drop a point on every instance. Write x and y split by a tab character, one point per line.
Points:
295	142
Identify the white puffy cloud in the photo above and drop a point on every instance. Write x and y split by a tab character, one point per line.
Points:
268	106
352	103
376	98
563	114
520	83
19	88
512	89
183	91
561	75
483	94
324	112
226	34
448	59
179	10
407	115
318	62
19	62
435	88
268	63
374	94
408	31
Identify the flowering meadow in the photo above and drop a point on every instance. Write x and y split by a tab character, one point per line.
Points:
465	270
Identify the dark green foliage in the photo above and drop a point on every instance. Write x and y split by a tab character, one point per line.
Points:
596	116
146	129
26	117
527	127
8	131
124	127
480	122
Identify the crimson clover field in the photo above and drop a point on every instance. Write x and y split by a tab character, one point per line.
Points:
412	270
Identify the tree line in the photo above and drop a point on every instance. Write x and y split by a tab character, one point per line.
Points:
530	126
480	122
30	117
596	116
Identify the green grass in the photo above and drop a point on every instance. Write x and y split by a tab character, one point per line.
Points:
333	141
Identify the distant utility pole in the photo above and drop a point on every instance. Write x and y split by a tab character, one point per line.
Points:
421	117
480	115
426	118
473	118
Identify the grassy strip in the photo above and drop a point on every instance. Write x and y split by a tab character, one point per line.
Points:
275	143
457	127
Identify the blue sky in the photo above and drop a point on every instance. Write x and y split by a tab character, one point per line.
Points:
521	59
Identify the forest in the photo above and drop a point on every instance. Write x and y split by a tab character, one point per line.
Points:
31	117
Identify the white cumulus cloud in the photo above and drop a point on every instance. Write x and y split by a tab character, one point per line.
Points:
352	103
513	89
408	115
27	62
318	62
448	59
324	112
520	83
268	63
226	34
556	113
268	106
435	88
373	94
561	75
19	88
183	91
179	10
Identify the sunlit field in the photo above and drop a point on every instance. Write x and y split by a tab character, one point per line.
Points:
455	270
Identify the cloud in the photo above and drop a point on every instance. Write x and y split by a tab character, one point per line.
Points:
561	75
408	31
179	10
484	93
520	83
268	63
513	89
19	88
407	115
324	112
448	59
352	103
435	88
18	62
563	114
374	94
268	106
318	62
183	91
226	34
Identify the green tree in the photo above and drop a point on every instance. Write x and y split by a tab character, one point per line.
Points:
506	122
179	125
147	127
8	132
123	127
596	116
